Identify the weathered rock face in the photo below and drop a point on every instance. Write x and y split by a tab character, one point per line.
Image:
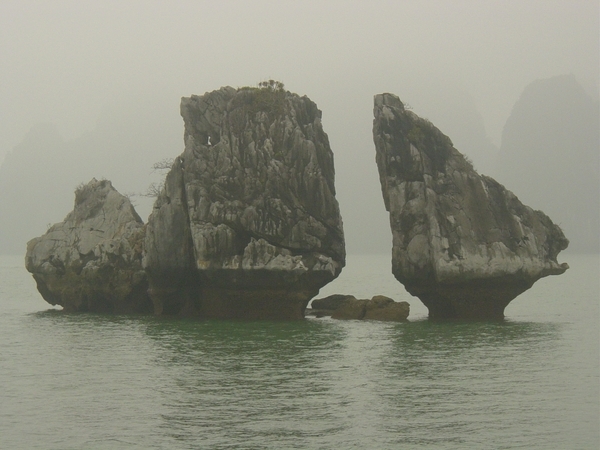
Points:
348	307
462	243
247	225
92	261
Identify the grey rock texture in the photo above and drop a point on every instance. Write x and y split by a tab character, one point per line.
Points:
348	307
247	225
462	243
92	261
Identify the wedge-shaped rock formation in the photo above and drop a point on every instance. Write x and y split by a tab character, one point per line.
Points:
462	243
92	261
247	225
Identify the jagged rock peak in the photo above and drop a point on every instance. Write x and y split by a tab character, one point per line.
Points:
92	261
462	243
248	209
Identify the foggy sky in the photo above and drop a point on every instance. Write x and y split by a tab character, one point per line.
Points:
64	61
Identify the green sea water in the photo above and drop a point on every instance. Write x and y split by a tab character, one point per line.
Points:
84	381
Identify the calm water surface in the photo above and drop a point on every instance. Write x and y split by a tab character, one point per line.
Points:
85	381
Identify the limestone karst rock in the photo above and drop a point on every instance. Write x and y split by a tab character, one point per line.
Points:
247	225
92	261
462	243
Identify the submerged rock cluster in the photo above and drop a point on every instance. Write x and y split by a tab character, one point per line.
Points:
462	243
348	307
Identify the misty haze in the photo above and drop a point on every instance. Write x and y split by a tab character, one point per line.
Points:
95	91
